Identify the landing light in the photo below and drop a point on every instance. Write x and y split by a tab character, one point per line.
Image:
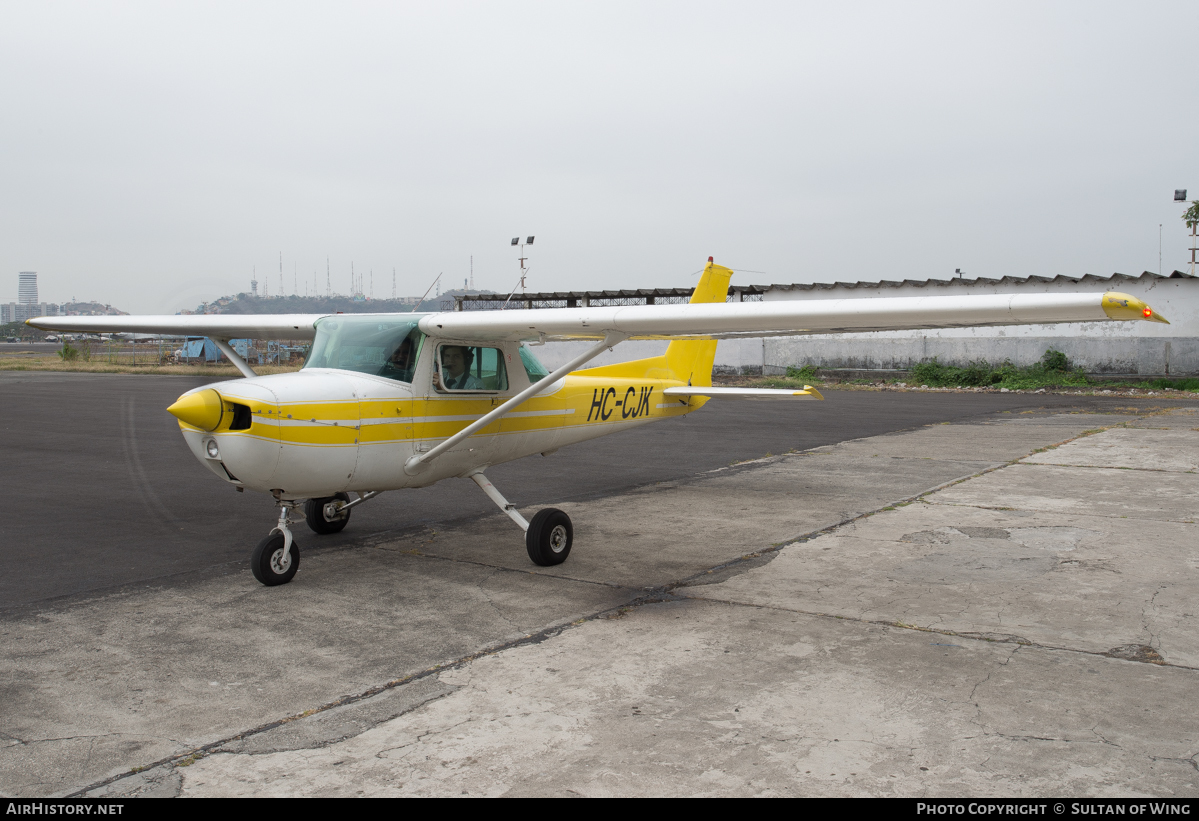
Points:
213	451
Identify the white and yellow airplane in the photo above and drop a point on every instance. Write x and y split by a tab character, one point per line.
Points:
389	401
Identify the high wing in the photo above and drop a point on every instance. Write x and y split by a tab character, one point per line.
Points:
219	326
695	321
824	316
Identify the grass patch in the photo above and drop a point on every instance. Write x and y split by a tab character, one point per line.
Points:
1053	371
79	364
795	378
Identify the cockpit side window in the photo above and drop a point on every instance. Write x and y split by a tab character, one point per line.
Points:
470	368
382	346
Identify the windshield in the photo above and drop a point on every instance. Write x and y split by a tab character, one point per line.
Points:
533	366
379	345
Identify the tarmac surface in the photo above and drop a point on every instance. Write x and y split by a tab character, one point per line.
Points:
935	594
112	496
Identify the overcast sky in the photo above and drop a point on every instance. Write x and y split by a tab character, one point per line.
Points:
151	155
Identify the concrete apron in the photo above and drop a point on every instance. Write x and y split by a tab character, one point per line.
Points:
1026	632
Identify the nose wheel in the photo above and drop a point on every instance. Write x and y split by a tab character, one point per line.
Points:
277	557
274	561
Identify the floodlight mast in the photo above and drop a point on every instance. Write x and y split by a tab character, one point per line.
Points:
1180	195
523	258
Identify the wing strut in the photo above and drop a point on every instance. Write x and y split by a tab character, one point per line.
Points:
232	356
416	464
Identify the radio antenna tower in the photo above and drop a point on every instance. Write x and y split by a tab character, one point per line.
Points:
472	272
393	283
328	279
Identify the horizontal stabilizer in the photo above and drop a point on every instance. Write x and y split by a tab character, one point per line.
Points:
808	392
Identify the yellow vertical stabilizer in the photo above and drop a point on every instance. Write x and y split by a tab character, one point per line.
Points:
690	360
687	360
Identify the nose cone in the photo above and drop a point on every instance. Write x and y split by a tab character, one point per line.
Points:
202	409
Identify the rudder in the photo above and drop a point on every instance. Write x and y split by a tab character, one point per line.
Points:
690	360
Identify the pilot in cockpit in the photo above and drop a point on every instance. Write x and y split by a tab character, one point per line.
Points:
401	362
455	365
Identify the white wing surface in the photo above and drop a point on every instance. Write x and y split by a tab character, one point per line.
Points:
722	319
217	326
716	320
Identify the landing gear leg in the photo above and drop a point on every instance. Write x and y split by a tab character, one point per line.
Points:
330	514
277	557
548	537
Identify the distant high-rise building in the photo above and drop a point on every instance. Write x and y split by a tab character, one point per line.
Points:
27	288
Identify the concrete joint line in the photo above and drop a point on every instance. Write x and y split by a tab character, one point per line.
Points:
1019	642
196	753
1099	467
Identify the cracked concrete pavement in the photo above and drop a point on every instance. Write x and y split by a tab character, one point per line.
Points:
912	614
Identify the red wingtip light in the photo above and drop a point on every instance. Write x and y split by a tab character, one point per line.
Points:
709	259
1148	312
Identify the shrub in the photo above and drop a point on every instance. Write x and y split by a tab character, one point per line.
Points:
807	372
1053	369
1054	362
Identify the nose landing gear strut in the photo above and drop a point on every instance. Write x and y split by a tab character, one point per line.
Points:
277	557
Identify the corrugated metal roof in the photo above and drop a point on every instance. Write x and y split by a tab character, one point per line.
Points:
1007	280
627	293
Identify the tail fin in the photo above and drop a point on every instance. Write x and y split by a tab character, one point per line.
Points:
688	360
691	359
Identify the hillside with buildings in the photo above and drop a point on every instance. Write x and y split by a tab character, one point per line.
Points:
252	304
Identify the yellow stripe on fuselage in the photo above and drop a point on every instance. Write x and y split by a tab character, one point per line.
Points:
582	401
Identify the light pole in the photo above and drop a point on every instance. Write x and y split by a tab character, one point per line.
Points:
1180	195
520	283
528	241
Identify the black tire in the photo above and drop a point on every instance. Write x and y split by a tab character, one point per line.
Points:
319	522
549	537
267	561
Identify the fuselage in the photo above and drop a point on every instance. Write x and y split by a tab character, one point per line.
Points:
323	430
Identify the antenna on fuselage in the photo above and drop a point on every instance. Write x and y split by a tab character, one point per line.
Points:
422	299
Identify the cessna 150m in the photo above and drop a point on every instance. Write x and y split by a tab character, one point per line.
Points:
389	401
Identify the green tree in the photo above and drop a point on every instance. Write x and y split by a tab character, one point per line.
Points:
1191	217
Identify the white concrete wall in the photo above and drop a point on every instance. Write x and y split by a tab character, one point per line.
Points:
1144	348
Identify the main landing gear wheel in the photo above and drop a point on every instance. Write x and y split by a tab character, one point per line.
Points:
271	565
323	516
549	537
